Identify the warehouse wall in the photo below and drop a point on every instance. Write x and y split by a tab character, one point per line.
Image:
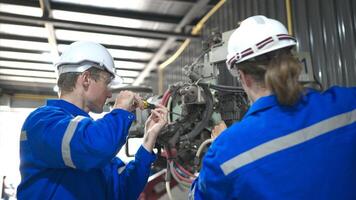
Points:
325	28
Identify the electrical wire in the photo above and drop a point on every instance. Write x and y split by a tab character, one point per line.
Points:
165	98
168	181
168	189
225	88
180	181
184	170
180	177
169	107
202	145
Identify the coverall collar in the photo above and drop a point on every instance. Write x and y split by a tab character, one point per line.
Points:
73	109
271	100
261	104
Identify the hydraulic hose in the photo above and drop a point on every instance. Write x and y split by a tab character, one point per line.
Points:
205	118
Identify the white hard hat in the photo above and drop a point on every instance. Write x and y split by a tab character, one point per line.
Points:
255	36
82	55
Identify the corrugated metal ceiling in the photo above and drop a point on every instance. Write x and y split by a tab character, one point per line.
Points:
133	31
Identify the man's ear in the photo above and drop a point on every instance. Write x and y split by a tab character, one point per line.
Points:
85	79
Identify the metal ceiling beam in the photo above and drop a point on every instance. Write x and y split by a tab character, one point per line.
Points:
30	87
29	3
112	12
67	42
4	76
114	30
24	60
19	68
168	43
211	2
2	21
22	37
128	69
131	60
50	69
52	41
45	62
14	49
185	1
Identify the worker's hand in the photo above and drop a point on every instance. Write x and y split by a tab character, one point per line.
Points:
128	100
218	129
155	122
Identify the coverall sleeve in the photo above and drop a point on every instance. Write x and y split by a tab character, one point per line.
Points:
59	140
211	182
128	181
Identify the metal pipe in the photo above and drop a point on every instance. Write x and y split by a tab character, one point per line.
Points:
289	17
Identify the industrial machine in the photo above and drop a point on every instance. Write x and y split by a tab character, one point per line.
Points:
210	96
195	107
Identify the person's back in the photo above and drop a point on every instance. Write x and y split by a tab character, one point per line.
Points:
293	143
302	152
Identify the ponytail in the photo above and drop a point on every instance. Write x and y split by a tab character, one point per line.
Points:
278	71
282	76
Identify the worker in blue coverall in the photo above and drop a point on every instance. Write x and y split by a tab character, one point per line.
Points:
65	154
292	143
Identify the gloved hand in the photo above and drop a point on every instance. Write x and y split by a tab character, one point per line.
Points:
128	100
155	122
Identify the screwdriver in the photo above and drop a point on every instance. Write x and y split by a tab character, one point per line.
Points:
147	105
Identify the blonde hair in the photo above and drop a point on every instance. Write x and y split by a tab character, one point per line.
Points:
280	74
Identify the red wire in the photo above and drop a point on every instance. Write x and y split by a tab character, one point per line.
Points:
165	98
183	169
181	177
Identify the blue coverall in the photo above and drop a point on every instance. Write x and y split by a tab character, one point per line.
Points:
66	155
306	151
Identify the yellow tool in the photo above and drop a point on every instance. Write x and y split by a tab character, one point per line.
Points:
147	105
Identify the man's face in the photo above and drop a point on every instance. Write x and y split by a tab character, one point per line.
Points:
98	91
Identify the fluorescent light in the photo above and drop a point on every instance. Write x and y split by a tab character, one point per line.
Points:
97	19
27	65
129	54
25	44
119	85
120	53
26	56
127	73
130	65
21	10
104	39
28	79
128	80
23	30
27	73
